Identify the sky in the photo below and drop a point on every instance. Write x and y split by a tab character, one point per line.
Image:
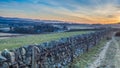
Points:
78	11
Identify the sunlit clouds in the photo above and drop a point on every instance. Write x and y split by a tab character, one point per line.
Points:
81	11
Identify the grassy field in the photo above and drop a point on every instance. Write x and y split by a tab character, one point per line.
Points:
34	39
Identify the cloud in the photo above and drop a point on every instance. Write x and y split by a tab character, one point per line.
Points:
70	10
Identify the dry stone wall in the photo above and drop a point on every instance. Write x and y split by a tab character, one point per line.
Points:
54	54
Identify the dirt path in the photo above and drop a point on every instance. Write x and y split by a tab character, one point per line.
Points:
109	57
101	56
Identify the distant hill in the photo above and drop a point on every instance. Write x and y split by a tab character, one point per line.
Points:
9	20
118	23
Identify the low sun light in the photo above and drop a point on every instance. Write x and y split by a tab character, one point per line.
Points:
119	19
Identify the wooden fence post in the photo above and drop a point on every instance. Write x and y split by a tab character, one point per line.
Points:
33	58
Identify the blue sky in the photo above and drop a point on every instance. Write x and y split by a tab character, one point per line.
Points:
81	11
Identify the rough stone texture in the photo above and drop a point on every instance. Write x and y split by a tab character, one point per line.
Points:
118	34
54	54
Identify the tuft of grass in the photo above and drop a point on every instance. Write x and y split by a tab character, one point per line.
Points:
35	39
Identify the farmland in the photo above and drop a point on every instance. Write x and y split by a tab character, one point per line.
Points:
14	42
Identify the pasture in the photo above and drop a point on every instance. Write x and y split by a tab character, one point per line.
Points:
15	42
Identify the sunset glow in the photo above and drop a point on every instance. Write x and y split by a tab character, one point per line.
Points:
81	11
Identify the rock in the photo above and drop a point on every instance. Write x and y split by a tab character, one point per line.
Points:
4	65
10	56
2	59
6	53
22	51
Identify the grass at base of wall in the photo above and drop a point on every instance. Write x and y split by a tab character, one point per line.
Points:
83	60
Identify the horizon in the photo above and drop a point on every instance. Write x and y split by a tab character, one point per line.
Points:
78	11
57	21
